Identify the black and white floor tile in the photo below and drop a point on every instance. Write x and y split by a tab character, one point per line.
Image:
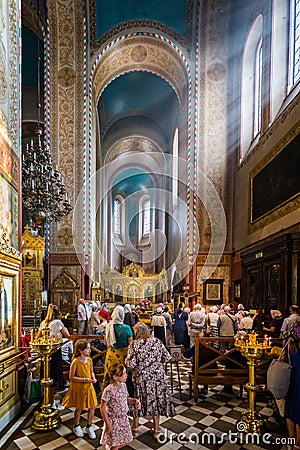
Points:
207	424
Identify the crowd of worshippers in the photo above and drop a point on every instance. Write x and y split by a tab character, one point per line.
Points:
181	327
136	354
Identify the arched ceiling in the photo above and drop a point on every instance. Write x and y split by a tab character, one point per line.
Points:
139	94
132	180
130	84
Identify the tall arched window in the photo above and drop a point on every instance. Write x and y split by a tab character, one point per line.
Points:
146	224
257	89
279	56
117	217
175	169
294	43
144	227
251	86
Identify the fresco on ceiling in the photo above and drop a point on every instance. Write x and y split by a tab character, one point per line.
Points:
170	12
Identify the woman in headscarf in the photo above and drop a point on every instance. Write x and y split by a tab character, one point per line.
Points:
128	319
117	338
147	357
159	325
212	329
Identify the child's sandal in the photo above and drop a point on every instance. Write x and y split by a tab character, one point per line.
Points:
135	432
157	433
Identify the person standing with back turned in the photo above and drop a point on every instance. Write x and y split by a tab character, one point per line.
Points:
82	317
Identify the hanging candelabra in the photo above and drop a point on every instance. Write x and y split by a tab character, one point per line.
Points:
43	189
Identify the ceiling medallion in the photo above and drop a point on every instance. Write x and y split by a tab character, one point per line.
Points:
138	53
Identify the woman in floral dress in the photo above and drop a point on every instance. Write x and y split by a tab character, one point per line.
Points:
146	357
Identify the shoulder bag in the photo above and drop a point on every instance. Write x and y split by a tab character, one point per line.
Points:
279	375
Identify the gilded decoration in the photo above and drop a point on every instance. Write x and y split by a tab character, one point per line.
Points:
131	144
13	124
9	65
33	270
211	150
185	41
8	252
66	77
281	210
160	59
65	237
280	121
9	211
9	162
133	284
138	53
66	71
3	77
65	291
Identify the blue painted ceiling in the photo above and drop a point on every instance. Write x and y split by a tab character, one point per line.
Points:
130	181
113	12
140	93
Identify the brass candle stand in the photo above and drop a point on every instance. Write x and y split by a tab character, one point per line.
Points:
45	418
252	349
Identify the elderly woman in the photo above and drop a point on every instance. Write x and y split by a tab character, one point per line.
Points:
129	319
212	324
146	357
117	338
159	325
196	323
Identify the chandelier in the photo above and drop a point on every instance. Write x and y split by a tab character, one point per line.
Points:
43	191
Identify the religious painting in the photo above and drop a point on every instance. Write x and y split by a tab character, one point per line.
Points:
237	290
213	291
29	258
9	211
276	183
148	291
66	301
118	292
7	295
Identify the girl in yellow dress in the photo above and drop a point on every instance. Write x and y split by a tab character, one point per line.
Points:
81	393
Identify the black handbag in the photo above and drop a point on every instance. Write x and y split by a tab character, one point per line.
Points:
129	384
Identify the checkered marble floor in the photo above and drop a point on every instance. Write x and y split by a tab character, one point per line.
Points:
207	424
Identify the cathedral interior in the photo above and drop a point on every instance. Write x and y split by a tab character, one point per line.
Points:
148	149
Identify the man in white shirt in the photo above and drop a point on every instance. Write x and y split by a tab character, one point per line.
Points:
289	322
82	317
